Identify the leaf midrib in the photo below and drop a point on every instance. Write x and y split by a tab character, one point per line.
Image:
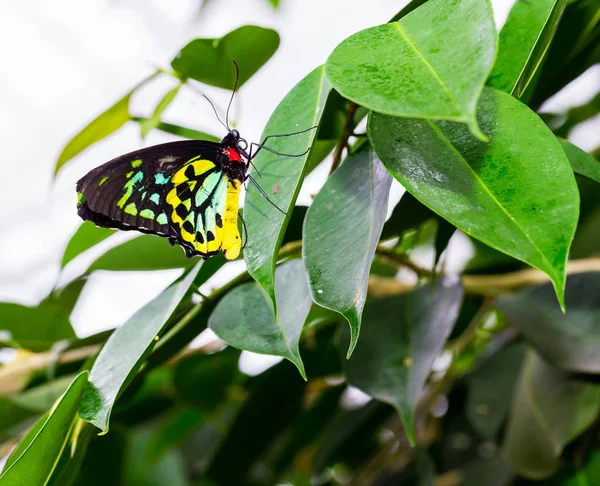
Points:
490	194
435	74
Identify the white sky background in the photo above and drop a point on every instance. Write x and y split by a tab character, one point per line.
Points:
66	61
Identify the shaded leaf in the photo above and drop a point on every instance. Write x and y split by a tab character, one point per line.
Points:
144	252
35	458
299	110
447	48
549	411
63	300
523	44
502	193
41	398
401	337
36	329
569	341
210	61
491	388
69	465
86	236
445	232
125	352
203	380
150	123
408	214
582	162
244	318
341	231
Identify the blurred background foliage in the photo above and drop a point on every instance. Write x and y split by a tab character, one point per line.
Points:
479	380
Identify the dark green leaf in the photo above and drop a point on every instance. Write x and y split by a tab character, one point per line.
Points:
549	411
569	341
125	352
37	455
179	425
575	48
34	328
401	337
281	176
244	318
412	5
150	123
408	214
180	131
524	42
530	204
341	231
491	388
563	123
69	465
203	380
145	252
86	236
210	61
445	232
447	48
63	300
582	162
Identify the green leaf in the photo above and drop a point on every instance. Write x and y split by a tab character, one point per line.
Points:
524	42
101	127
408	214
150	123
300	110
550	410
501	193
39	451
63	300
126	350
69	465
210	61
581	162
41	398
447	50
401	337
244	317
575	48
203	380
178	130
341	231
145	252
569	341
86	236
414	4
490	390
36	329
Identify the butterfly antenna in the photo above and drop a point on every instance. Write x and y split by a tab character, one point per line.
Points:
264	194
215	110
235	87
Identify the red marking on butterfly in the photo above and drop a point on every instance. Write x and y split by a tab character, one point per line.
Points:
232	155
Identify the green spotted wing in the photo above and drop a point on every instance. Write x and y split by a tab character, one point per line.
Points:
130	192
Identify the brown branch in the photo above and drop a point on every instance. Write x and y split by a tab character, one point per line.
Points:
351	108
391	256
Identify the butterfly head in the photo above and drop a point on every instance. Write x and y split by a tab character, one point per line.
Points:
234	141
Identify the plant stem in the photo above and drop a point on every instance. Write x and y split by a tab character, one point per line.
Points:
351	108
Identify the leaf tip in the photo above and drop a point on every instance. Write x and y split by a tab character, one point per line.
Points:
476	131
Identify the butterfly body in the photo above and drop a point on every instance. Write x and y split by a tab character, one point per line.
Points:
185	191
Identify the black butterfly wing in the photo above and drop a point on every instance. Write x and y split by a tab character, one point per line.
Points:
129	192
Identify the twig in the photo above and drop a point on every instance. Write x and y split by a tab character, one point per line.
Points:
351	108
391	256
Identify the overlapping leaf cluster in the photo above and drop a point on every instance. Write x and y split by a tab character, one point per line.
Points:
483	376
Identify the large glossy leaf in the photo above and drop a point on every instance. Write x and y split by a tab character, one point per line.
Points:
281	177
432	63
582	162
211	60
401	337
549	411
569	341
34	328
39	451
341	231
491	388
101	127
245	320
501	193
150	123
86	236
145	252
524	42
125	351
